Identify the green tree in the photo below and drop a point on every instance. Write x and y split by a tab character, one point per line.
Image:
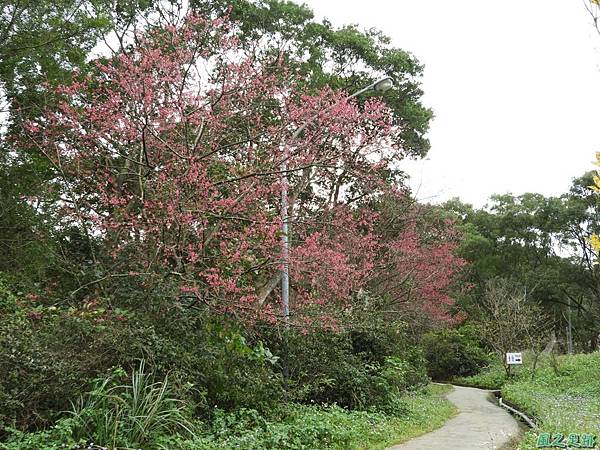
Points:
42	43
541	243
343	58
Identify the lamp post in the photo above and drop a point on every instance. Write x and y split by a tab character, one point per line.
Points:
381	85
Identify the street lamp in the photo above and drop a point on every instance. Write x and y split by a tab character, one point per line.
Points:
381	85
384	84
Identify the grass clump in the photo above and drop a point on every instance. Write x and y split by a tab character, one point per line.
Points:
115	415
132	414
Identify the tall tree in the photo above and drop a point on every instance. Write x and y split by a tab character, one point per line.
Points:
45	43
170	155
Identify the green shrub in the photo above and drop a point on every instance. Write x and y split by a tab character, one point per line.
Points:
227	368
49	355
415	368
454	353
60	435
330	368
236	374
492	377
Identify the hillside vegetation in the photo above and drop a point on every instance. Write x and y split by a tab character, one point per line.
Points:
207	240
291	426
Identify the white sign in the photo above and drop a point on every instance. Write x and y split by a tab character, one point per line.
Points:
514	358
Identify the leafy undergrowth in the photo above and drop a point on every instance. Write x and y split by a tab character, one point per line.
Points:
492	377
563	395
294	427
332	427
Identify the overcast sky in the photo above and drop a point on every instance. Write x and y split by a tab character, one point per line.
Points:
514	86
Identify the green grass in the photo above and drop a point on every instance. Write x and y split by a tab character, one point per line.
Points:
563	397
564	402
332	427
425	412
293	427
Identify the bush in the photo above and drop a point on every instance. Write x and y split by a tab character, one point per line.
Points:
237	374
330	368
60	435
48	356
492	377
50	353
454	352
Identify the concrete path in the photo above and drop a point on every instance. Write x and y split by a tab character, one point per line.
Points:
480	424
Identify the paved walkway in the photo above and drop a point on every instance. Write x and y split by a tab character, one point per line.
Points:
480	424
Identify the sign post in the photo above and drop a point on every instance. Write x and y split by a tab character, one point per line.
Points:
513	359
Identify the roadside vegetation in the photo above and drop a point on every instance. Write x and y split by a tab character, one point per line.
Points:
203	384
291	426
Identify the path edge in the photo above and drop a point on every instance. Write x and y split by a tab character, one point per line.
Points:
426	432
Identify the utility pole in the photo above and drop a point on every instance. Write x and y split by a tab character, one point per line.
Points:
381	85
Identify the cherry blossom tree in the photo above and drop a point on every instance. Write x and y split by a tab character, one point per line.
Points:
168	158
